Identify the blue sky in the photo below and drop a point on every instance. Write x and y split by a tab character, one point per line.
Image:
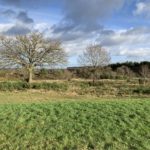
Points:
121	26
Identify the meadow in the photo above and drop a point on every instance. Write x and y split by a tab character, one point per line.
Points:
73	124
75	115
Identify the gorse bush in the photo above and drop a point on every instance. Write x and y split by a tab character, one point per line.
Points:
10	86
142	90
50	86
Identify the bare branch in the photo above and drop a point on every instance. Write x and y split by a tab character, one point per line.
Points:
29	51
94	56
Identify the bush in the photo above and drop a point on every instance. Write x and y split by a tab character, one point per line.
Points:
6	86
10	86
21	85
142	90
50	86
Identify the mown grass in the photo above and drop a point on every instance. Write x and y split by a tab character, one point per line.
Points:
99	125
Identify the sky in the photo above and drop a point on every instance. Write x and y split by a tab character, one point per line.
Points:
120	26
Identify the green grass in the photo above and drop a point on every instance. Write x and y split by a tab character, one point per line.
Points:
99	125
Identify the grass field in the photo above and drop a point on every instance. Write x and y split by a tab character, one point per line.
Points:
75	125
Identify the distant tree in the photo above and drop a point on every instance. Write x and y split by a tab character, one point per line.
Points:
125	71
95	56
30	51
145	71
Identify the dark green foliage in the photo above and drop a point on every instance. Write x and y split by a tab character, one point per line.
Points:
142	90
113	125
50	86
10	86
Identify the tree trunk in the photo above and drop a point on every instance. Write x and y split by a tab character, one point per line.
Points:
30	75
93	81
94	75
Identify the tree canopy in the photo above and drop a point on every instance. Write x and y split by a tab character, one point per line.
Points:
30	51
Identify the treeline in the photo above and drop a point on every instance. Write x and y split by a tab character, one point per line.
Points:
113	71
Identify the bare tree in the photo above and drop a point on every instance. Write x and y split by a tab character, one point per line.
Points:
95	56
144	72
30	51
125	71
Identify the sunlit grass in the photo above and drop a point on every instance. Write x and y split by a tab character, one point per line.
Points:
77	125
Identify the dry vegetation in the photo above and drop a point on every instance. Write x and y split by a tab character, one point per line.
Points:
78	88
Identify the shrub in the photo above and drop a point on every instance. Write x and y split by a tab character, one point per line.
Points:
142	90
6	86
20	85
10	86
50	86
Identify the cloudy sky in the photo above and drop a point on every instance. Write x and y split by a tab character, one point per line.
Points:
121	26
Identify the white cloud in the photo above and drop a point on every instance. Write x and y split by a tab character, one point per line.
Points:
132	42
42	27
133	36
139	52
142	8
5	27
86	15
